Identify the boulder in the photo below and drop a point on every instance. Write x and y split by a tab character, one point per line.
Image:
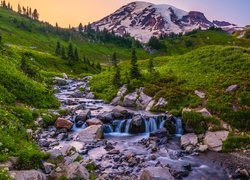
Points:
65	76
202	148
77	171
150	105
91	133
27	175
143	101
105	117
189	139
120	110
67	150
48	167
137	120
214	140
55	153
200	94
94	121
160	133
120	94
82	115
90	95
161	103
60	81
79	124
156	173
232	88
205	112
62	123
130	99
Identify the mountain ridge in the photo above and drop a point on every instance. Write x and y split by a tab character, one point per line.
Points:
143	20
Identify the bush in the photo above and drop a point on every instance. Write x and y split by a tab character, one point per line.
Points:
4	174
195	121
236	142
48	119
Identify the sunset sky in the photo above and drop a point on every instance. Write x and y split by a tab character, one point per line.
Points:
73	12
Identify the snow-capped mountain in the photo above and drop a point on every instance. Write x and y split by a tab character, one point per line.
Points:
143	20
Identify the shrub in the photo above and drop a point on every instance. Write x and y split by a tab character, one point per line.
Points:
4	174
236	142
195	121
48	119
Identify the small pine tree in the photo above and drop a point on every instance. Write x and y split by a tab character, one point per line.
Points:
19	9
80	27
114	60
117	77
134	71
98	66
76	56
63	56
70	54
151	68
58	48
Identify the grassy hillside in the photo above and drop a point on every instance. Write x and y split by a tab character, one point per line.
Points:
211	69
20	30
182	44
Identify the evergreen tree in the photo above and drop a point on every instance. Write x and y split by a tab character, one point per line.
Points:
151	68
80	28
76	56
117	77
63	56
8	6
134	71
58	48
114	60
19	9
35	14
4	4
70	54
98	66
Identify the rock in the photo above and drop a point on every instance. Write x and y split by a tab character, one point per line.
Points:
67	150
200	94
77	171
189	139
105	117
205	112
120	94
79	124
160	133
232	88
55	153
27	175
129	99
60	81
63	123
150	105
48	167
114	151
109	147
10	164
137	120
82	115
94	121
156	173
91	133
214	140
65	76
153	157
187	167
161	103
121	110
90	95
202	148
143	101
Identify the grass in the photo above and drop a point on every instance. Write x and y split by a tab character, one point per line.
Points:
210	68
40	36
236	142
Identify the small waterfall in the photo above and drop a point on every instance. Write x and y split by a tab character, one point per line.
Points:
119	126
162	122
107	128
179	130
152	125
146	125
127	125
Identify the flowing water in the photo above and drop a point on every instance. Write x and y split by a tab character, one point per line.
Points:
118	133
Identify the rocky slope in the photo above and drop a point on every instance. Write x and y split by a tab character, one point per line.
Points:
143	20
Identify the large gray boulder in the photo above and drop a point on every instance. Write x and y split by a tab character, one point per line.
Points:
156	173
130	99
82	115
77	171
27	175
161	103
214	140
143	101
189	139
117	100
91	133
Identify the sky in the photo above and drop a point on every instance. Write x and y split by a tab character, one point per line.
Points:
72	12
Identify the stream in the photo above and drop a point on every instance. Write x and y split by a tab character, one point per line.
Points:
131	153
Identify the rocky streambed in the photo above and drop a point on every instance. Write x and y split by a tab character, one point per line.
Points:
102	141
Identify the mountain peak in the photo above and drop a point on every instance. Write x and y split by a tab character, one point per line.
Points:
143	20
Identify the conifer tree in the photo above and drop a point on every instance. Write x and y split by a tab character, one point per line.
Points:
58	48
63	56
19	9
134	71
70	54
76	56
80	28
114	60
151	68
117	77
